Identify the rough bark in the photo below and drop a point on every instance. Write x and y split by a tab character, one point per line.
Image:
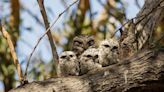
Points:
140	73
145	23
153	12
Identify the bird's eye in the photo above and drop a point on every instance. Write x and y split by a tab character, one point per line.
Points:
63	57
96	56
89	56
77	43
71	55
124	45
91	42
106	46
115	47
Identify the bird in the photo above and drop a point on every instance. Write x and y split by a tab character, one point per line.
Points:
81	43
89	60
108	52
68	63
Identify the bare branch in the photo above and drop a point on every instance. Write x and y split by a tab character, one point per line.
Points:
53	47
47	30
12	51
137	4
32	15
144	27
141	16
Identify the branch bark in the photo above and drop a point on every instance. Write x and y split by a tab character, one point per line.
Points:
140	73
147	20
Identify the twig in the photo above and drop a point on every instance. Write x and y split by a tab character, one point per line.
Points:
32	15
137	4
12	51
53	47
47	30
125	76
144	16
127	23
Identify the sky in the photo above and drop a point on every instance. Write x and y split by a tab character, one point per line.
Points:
57	8
29	38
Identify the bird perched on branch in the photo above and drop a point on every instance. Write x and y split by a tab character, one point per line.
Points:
89	60
81	43
108	52
68	63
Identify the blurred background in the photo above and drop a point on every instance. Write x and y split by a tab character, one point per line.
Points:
25	24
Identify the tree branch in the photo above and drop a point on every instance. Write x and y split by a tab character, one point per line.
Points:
143	71
12	51
146	22
53	47
47	30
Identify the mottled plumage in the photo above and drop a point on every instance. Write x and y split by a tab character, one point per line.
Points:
108	52
68	63
89	60
81	43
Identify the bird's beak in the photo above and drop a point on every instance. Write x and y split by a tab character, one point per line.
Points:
85	47
67	58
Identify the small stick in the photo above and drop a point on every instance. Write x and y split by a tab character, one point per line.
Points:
125	76
49	34
12	51
47	30
141	16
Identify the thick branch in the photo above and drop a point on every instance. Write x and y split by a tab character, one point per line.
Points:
145	24
141	71
149	24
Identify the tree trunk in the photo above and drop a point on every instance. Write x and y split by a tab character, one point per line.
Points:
141	31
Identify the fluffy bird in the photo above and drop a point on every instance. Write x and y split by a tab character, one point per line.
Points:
81	43
68	63
108	52
89	60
